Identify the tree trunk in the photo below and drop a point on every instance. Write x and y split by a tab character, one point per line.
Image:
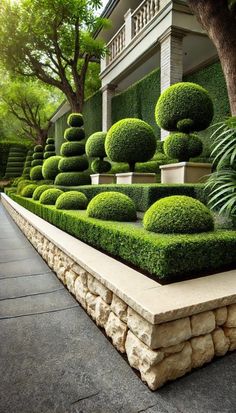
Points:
220	25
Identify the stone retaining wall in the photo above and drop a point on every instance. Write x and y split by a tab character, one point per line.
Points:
161	352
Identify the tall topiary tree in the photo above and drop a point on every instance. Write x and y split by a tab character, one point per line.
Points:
15	162
36	164
95	148
73	162
27	165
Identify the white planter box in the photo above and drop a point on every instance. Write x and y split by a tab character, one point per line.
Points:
97	179
135	178
184	172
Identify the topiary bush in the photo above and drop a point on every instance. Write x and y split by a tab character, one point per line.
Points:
75	120
73	164
182	146
112	206
38	148
49	148
28	190
15	162
22	184
50	196
72	200
50	167
39	191
37	156
95	148
178	214
130	140
36	173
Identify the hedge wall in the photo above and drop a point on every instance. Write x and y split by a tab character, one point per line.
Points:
5	146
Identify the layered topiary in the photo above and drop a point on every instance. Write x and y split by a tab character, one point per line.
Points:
178	214
95	148
15	162
75	120
28	190
27	165
36	173
112	206
37	156
74	163
72	200
130	140
50	196
39	190
182	146
50	167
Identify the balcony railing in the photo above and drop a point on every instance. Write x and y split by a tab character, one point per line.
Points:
144	14
116	44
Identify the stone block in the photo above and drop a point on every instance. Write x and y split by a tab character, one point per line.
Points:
203	323
221	316
102	311
95	287
203	350
61	274
119	307
173	349
80	292
231	334
117	331
220	341
231	319
70	277
91	304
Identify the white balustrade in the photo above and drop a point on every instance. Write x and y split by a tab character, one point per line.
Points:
144	14
116	45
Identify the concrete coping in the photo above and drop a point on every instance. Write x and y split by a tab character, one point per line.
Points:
191	164
136	174
154	302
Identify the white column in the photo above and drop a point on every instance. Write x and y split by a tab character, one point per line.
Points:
171	61
128	27
108	92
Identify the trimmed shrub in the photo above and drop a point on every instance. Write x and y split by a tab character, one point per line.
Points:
74	134
38	148
95	145
178	214
112	206
40	190
28	163
75	120
100	167
50	196
131	141
50	167
47	155
72	179
37	155
184	107
50	148
74	163
36	173
182	146
22	184
36	162
72	200
72	149
28	190
50	141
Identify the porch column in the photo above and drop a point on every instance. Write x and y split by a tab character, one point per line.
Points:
108	92
171	60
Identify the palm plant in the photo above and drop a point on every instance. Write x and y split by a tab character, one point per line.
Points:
222	183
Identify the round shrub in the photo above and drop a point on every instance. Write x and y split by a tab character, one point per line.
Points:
72	179
50	167
99	166
28	191
112	206
185	107
130	140
72	200
36	173
75	120
50	196
72	148
50	141
182	146
37	155
50	148
38	148
74	134
178	214
39	190
95	145
37	162
21	185
74	163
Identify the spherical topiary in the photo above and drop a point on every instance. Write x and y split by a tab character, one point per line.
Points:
72	200
74	134
195	146
178	214
37	155
95	145
50	148
99	166
130	140
21	185
74	163
36	162
28	191
39	190
112	206
38	148
72	149
50	167
50	196
75	120
185	107
72	179
36	173
182	146
50	141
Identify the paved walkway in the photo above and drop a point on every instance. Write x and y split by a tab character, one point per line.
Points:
53	359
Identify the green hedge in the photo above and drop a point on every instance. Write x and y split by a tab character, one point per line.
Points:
168	257
144	195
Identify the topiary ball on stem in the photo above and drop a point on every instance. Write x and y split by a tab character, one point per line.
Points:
95	148
178	214
112	206
130	140
72	200
182	146
184	107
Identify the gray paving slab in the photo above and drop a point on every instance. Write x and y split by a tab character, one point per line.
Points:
14	243
17	254
28	266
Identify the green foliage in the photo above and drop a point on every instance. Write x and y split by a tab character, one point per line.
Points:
47	155
182	146
50	167
73	163
50	196
72	200
184	107
168	257
178	214
72	179
36	173
92	112
130	140
21	185
28	190
37	155
112	206
75	120
39	191
95	145
38	148
36	162
72	149
50	148
74	134
99	166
